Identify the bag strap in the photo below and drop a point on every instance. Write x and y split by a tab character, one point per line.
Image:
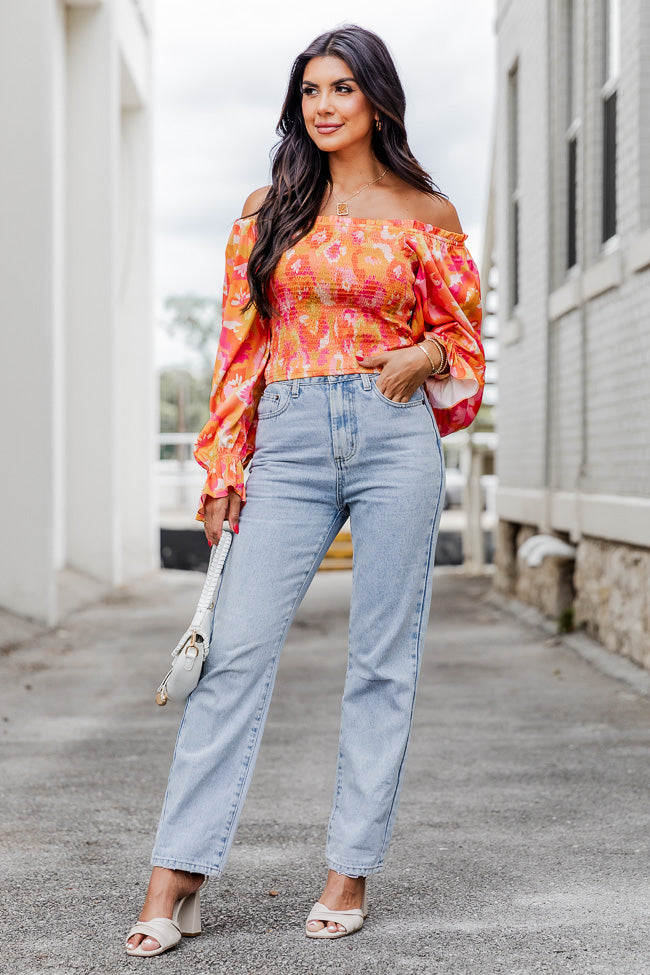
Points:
202	619
218	555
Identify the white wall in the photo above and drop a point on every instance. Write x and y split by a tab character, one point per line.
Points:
523	336
30	300
76	362
587	469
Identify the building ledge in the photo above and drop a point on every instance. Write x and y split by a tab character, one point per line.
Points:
602	276
609	272
638	252
511	331
617	518
564	299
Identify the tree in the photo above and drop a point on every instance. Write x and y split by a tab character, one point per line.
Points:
197	320
185	393
184	401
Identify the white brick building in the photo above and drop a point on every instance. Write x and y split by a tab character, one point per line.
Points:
77	395
573	252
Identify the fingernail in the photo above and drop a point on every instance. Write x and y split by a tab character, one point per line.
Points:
209	543
358	356
236	529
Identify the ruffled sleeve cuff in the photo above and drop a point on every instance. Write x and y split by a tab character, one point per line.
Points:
225	471
460	384
445	393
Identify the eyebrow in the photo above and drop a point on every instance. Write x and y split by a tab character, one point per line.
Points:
337	82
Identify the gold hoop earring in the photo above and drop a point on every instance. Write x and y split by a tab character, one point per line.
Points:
378	124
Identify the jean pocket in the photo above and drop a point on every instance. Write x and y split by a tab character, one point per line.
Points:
416	399
274	400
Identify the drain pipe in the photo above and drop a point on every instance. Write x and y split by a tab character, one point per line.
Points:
576	528
546	517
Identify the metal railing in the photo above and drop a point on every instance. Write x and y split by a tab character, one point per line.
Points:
178	477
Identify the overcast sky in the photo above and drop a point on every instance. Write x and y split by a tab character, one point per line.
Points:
221	72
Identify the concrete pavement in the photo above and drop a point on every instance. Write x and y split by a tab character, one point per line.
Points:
523	835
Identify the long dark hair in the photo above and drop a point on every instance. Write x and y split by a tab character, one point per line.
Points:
300	171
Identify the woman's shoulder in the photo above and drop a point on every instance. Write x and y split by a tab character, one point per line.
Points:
435	210
255	201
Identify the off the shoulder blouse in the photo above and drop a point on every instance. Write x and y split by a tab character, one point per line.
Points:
352	285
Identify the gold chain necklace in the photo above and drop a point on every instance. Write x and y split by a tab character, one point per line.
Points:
342	205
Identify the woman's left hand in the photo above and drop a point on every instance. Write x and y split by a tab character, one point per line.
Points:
402	371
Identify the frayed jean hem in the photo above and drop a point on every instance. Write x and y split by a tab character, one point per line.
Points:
170	864
211	871
351	871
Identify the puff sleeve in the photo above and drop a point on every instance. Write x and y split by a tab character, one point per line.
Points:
226	442
448	308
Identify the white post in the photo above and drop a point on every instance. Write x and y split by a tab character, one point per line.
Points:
138	407
93	118
474	554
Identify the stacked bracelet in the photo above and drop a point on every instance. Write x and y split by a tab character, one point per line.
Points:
442	365
420	346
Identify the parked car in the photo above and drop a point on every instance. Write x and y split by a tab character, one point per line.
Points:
455	492
455	487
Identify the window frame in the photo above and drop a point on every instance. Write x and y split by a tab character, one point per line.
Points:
514	188
571	138
610	72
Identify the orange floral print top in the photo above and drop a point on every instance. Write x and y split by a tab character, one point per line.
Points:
351	285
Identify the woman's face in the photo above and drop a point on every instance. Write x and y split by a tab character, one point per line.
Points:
336	112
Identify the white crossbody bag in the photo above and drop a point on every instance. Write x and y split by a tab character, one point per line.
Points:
189	655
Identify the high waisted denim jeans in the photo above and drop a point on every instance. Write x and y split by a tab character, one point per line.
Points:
327	448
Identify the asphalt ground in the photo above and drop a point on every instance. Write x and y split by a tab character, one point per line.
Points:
523	834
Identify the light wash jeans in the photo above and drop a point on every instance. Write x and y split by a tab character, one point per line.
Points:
327	447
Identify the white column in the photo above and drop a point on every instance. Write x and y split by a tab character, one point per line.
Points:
93	120
30	305
137	386
138	410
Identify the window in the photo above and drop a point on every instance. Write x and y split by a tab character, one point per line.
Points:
572	242
644	122
513	185
571	136
611	67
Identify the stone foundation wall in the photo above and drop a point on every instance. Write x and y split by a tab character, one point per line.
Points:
505	557
607	588
548	586
613	596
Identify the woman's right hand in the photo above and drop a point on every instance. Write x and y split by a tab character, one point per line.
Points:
218	510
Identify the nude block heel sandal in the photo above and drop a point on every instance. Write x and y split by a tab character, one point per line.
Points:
351	920
187	915
185	922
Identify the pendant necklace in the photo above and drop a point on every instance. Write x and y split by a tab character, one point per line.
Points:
342	205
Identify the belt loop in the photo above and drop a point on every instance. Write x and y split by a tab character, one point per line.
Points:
365	379
295	387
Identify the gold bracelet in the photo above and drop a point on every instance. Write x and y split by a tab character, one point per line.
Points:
433	368
443	356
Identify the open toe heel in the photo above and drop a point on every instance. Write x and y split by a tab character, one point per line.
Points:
184	922
350	920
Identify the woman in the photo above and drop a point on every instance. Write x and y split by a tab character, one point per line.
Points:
349	291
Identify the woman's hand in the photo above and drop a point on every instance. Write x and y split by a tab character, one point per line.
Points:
218	510
402	370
